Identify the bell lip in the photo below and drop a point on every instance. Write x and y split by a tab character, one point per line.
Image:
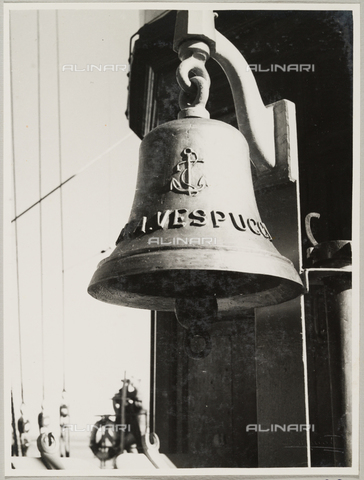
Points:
290	285
175	258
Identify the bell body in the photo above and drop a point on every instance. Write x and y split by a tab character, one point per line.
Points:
194	230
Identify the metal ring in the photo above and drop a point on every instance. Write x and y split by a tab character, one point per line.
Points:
191	334
156	444
47	443
194	65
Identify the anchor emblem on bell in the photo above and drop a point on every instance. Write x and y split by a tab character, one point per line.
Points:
184	182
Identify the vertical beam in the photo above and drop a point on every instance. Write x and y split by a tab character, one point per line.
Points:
153	339
281	374
339	320
165	382
203	407
280	386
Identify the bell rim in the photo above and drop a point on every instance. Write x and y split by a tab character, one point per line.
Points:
290	285
178	253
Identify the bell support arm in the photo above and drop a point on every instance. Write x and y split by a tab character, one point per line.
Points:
255	120
269	130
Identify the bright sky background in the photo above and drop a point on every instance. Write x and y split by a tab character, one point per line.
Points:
93	140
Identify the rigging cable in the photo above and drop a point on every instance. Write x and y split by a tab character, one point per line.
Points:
43	417
98	157
15	213
40	213
64	408
61	205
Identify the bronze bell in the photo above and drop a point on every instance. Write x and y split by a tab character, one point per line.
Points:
195	231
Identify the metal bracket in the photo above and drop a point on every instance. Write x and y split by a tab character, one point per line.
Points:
258	123
196	316
255	121
151	450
